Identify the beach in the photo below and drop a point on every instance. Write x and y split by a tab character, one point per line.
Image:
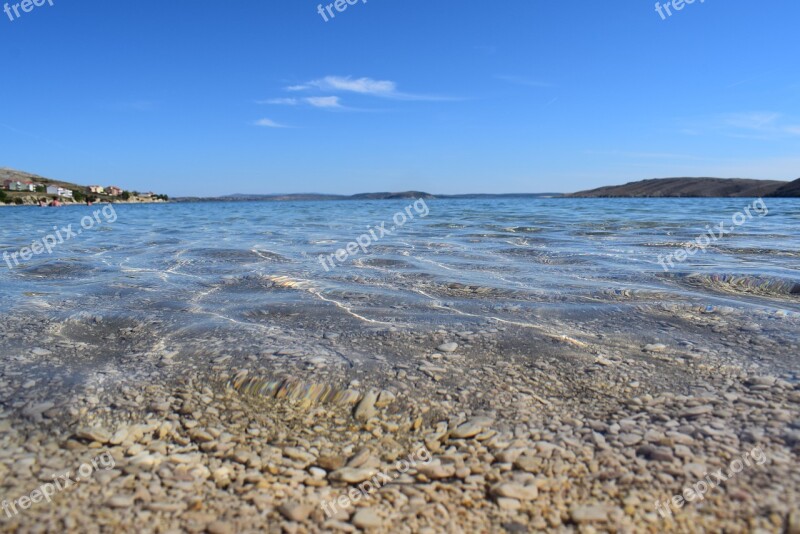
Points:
494	365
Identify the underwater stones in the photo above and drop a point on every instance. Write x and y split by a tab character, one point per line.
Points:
385	398
447	347
697	411
99	435
472	427
366	408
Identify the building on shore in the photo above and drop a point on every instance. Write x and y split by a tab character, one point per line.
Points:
59	191
15	185
113	191
97	189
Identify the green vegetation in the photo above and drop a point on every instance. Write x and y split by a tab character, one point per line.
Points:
41	188
78	196
18	201
3	196
125	195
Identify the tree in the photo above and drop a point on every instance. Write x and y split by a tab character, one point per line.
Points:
3	196
18	201
41	188
125	195
78	196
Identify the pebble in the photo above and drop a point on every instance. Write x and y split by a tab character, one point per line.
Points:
515	491
120	501
472	428
629	439
588	514
697	411
351	475
366	408
436	471
295	511
447	347
93	434
367	518
220	527
505	503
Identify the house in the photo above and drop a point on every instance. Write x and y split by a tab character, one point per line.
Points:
147	195
59	191
113	191
98	189
14	185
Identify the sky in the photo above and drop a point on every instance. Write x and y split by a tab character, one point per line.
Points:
201	98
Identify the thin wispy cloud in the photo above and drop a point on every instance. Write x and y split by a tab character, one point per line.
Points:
279	101
364	86
760	124
268	123
326	102
763	125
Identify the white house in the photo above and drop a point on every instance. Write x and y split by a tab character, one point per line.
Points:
13	185
60	191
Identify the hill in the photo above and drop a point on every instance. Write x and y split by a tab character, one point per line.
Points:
792	189
29	197
687	187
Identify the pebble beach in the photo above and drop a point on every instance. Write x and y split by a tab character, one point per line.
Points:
491	368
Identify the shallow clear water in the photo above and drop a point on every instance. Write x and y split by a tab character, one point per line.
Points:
510	259
206	279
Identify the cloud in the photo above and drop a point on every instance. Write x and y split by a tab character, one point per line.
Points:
279	101
363	86
752	121
268	123
761	124
324	101
764	125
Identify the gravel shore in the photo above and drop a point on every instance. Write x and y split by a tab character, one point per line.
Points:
261	429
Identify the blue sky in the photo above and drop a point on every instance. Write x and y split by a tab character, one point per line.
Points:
194	97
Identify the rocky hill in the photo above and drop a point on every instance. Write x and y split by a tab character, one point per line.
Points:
792	189
688	187
28	197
